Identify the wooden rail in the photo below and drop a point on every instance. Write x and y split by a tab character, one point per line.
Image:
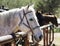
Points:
48	34
48	25
9	39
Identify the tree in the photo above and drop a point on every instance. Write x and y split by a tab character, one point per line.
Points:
48	6
15	3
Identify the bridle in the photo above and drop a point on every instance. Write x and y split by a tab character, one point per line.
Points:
28	26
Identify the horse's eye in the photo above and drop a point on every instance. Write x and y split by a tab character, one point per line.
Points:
31	19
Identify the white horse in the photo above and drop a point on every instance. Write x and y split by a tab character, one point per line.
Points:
22	18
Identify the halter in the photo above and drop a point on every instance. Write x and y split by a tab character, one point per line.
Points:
28	26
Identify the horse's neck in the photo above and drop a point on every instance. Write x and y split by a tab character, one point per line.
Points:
8	23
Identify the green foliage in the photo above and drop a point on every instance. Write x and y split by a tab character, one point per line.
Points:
48	6
0	2
57	30
45	6
15	3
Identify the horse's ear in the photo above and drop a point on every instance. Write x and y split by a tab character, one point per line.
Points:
27	6
30	6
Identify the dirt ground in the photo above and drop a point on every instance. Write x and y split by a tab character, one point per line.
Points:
56	39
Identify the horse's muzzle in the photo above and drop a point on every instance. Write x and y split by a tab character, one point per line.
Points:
38	38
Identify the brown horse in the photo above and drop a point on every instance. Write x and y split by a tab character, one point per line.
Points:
46	19
43	20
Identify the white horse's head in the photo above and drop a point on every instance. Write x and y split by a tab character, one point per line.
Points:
23	17
29	22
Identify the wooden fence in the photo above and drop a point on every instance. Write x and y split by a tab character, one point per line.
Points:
9	39
48	37
48	34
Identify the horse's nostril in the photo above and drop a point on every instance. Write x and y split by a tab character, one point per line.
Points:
57	25
40	37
